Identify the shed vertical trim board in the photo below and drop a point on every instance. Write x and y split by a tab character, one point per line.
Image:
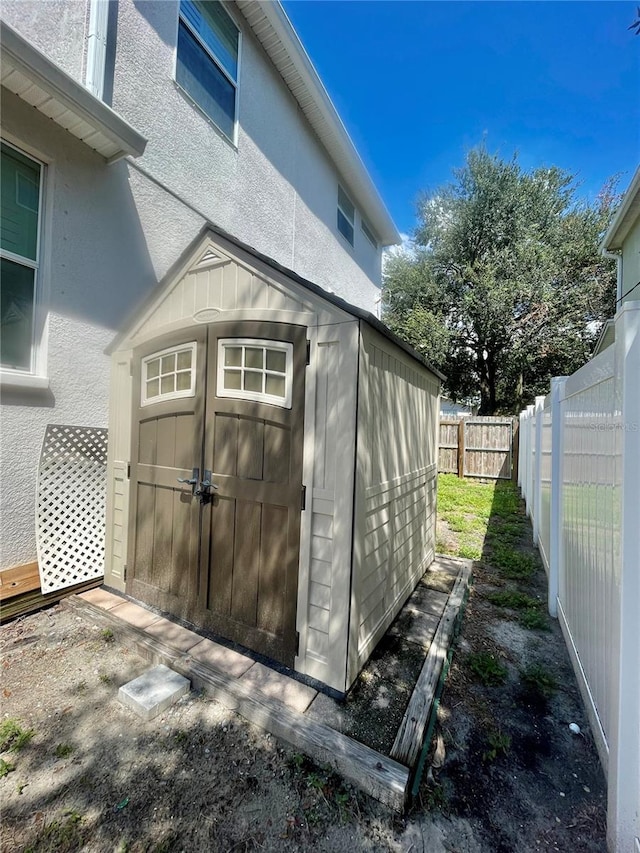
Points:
334	362
395	488
118	457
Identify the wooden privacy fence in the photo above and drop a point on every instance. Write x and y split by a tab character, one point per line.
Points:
479	447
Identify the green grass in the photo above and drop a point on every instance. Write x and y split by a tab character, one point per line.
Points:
513	600
511	563
498	743
536	620
538	681
13	736
487	668
5	768
479	514
62	835
63	750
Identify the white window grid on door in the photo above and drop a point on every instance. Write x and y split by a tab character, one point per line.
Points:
257	370
168	374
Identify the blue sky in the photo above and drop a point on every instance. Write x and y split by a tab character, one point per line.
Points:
417	83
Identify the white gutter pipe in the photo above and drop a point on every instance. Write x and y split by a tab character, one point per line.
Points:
97	47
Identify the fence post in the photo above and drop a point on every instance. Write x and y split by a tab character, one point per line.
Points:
461	447
529	461
623	823
515	450
537	478
556	522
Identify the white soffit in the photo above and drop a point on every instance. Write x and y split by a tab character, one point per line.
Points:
275	32
34	78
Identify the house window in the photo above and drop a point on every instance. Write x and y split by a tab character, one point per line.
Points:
169	374
21	203
368	233
251	369
207	60
346	215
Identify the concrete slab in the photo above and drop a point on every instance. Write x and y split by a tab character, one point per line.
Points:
220	658
154	691
101	598
173	635
273	684
134	615
428	600
416	626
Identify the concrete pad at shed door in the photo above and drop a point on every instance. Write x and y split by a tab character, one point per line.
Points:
154	691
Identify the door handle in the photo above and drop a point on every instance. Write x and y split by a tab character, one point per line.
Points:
193	481
206	488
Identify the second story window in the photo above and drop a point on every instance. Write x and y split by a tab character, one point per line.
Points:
346	215
207	60
19	232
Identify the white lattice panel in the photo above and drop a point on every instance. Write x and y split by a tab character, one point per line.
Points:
70	509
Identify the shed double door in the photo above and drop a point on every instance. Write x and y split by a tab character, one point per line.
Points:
222	404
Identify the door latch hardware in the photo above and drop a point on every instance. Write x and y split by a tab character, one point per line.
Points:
193	481
206	488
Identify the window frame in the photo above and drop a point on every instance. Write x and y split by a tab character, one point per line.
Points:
35	375
369	233
190	346
351	220
233	139
256	396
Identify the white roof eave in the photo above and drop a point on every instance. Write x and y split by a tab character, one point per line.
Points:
274	31
34	78
624	218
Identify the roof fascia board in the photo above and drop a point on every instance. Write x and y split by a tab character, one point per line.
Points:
623	219
34	65
335	137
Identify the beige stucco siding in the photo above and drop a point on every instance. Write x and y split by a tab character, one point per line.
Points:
395	488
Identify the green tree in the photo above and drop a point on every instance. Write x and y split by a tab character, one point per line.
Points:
506	286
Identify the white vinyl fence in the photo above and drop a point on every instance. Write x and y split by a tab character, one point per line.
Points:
580	476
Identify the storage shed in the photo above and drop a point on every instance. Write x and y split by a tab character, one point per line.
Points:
272	462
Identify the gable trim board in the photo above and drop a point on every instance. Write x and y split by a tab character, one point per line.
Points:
341	612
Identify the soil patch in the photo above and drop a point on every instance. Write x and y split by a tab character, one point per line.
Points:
507	775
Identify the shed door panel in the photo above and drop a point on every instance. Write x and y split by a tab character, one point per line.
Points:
252	527
166	444
230	565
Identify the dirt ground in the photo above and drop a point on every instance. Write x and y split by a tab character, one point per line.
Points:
508	773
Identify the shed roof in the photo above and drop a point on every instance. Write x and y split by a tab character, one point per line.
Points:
210	229
274	31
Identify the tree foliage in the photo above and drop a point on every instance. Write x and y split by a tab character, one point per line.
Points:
505	286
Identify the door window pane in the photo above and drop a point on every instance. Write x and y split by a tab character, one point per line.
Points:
262	370
168	374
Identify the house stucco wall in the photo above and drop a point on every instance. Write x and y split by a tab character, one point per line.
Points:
111	232
277	191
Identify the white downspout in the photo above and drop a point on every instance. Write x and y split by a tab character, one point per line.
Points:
97	46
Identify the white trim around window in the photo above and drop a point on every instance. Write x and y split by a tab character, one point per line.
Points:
169	374
257	370
218	64
31	373
346	216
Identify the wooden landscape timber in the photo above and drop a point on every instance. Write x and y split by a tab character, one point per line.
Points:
20	591
410	736
377	775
